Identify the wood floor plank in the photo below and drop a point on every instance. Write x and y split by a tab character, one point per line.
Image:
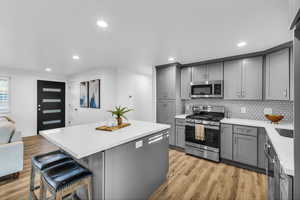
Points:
189	178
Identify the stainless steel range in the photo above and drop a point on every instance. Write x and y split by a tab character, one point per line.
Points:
202	132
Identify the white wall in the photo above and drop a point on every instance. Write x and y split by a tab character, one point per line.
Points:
23	98
116	87
107	96
135	91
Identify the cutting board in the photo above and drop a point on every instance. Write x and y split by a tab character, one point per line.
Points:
112	128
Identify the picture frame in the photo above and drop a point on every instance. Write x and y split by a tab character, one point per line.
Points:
84	94
94	93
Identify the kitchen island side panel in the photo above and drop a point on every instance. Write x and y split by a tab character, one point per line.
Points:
136	169
95	163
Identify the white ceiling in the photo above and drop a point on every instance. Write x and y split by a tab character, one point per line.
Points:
35	34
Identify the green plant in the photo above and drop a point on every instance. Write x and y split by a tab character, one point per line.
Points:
119	112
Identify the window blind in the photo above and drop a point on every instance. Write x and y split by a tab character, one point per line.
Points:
4	94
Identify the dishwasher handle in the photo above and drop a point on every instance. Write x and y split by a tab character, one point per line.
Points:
157	138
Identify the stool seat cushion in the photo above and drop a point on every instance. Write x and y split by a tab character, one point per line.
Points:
44	161
64	174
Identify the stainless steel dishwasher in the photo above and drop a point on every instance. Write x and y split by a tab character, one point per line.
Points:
280	185
133	171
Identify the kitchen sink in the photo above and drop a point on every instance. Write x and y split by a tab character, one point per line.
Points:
285	132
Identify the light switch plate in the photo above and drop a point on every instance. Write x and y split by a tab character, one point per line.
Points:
243	110
139	144
268	111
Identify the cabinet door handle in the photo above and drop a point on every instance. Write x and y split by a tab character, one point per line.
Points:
243	93
285	92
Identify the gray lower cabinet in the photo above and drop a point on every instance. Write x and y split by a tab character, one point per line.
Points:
166	110
226	141
186	78
243	144
277	75
180	136
262	159
245	149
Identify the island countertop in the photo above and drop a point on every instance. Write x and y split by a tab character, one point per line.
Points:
84	140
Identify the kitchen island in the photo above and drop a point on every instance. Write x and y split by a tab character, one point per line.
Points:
129	163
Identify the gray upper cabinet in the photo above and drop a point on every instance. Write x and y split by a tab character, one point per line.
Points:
166	82
162	80
186	78
215	71
252	70
199	73
226	141
232	79
245	149
277	75
243	79
209	72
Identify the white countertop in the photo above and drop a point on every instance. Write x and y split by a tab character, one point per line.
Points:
284	146
84	140
181	116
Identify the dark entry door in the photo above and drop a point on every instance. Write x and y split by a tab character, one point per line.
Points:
51	105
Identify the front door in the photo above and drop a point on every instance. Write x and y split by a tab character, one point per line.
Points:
51	105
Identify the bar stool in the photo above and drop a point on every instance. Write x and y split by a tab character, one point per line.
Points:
41	162
64	179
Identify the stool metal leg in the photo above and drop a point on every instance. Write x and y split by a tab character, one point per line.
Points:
32	187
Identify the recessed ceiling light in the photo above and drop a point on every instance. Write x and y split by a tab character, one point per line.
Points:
102	24
241	44
75	57
171	59
48	69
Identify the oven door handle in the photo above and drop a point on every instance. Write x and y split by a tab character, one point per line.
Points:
205	126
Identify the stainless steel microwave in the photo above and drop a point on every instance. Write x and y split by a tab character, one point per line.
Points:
207	89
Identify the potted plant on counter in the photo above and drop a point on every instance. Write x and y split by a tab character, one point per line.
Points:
119	113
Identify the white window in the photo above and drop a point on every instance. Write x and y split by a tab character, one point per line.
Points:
4	94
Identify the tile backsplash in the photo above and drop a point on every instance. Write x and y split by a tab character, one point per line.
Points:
254	109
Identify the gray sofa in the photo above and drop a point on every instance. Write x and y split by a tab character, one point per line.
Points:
11	149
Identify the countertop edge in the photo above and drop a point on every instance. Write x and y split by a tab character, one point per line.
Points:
104	148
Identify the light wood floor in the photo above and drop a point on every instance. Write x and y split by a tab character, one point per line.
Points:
189	178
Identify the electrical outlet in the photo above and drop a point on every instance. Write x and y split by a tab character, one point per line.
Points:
243	110
139	144
268	111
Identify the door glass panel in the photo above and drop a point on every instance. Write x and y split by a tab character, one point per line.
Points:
51	100
51	90
51	122
52	111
